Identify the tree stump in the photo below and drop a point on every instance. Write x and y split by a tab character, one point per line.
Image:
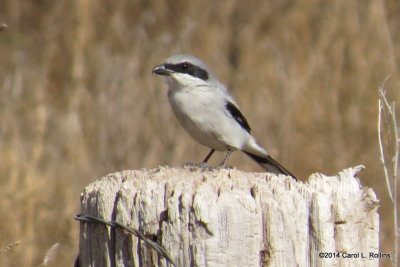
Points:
230	218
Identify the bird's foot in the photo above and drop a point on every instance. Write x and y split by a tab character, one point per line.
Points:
200	165
204	167
222	167
217	168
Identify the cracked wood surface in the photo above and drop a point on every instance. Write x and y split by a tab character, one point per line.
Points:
230	218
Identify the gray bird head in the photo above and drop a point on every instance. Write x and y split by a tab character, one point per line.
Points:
185	69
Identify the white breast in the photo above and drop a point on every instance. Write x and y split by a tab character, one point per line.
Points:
202	112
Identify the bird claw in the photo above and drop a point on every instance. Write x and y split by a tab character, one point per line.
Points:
200	165
222	167
204	167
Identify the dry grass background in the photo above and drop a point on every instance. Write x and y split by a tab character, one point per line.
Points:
78	100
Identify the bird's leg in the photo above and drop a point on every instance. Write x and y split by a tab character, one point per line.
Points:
208	156
227	156
202	164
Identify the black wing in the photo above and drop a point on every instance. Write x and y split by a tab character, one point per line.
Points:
238	116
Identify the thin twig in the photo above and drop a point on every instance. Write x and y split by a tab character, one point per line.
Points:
388	110
140	235
395	161
397	145
382	155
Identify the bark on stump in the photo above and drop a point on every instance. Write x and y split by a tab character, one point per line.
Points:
230	218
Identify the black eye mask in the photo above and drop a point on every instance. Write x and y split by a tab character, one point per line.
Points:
188	68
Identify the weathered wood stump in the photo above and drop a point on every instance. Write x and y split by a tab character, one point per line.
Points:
230	218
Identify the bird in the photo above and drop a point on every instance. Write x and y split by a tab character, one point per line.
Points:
207	111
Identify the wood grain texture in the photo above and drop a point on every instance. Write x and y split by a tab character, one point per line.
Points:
230	218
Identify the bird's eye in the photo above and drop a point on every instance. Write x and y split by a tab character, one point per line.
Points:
184	66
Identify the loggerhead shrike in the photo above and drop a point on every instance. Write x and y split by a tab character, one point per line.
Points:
207	111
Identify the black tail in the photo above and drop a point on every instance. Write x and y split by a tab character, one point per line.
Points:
269	164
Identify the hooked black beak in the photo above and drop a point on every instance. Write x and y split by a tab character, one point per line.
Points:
161	70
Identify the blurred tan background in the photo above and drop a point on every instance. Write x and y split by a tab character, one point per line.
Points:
78	100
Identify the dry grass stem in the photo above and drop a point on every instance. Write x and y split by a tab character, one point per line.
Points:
50	255
389	126
9	247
